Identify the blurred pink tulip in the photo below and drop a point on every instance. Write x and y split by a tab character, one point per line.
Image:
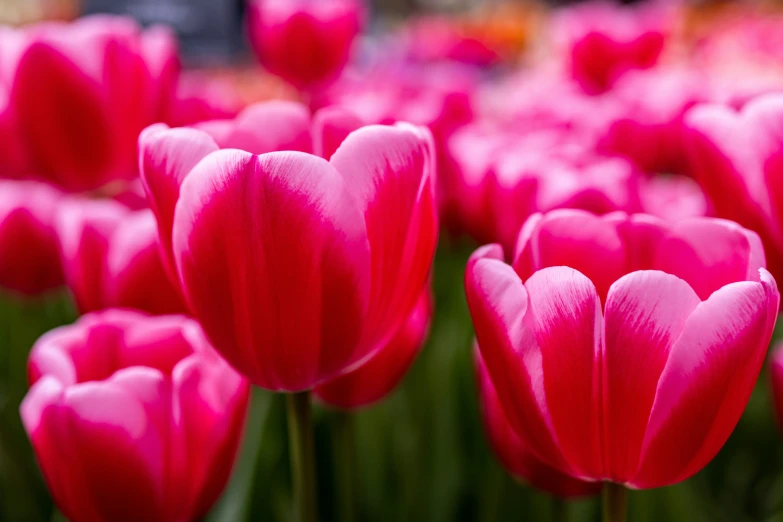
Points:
339	250
380	375
737	157
29	255
623	348
133	271
202	98
78	94
500	177
306	43
112	258
512	452
133	417
602	41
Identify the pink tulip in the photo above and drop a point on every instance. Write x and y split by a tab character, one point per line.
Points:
379	376
29	260
512	452
501	176
298	268
602	41
111	257
133	417
133	271
166	156
623	348
305	42
79	94
84	229
736	157
646	124
200	97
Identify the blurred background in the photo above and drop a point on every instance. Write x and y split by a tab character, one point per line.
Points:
421	455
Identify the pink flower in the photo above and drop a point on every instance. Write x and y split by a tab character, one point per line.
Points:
500	177
737	158
78	95
166	156
379	376
133	271
602	41
200	97
512	452
133	417
298	268
29	259
623	348
111	257
305	43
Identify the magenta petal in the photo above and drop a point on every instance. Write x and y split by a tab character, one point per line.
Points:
84	228
379	376
707	381
115	450
565	322
166	157
512	452
389	172
135	275
710	253
212	400
331	125
264	127
645	313
498	303
273	256
577	239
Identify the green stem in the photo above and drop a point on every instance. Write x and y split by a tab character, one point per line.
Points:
344	452
302	451
615	502
559	510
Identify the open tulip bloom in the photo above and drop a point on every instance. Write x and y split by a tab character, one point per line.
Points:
298	268
133	417
623	348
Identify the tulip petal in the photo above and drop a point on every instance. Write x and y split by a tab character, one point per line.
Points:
264	127
331	125
498	302
273	255
565	320
710	253
707	381
577	239
645	313
388	170
166	157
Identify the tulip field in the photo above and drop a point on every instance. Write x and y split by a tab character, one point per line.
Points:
507	262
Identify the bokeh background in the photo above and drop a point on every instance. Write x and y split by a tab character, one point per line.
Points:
421	455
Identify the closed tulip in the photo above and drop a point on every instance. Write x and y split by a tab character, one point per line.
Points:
78	96
375	379
29	259
133	417
623	348
736	157
298	268
304	42
512	452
